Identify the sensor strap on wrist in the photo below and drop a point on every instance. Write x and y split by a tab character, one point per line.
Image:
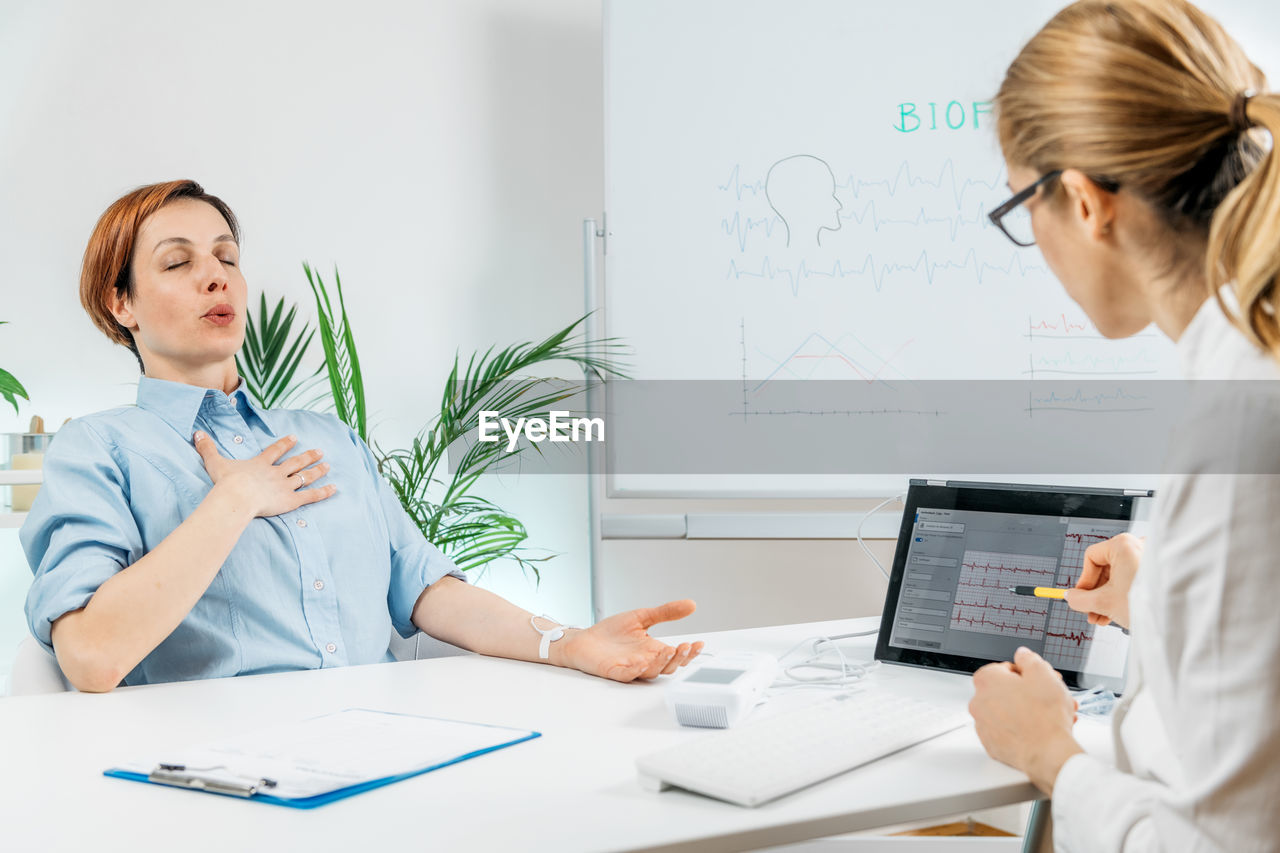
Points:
549	635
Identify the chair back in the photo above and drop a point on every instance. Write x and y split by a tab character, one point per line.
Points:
35	671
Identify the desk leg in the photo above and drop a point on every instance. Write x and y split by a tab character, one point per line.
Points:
1039	835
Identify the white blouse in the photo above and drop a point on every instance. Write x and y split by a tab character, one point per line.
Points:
1197	734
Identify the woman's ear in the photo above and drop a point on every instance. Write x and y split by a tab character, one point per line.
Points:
118	303
1088	205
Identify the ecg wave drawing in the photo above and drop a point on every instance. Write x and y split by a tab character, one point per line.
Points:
1099	402
903	178
1120	395
879	271
870	216
1060	324
742	228
1141	362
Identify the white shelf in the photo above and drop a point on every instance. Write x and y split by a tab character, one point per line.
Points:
12	519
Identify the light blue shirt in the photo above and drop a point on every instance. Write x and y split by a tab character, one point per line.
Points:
321	586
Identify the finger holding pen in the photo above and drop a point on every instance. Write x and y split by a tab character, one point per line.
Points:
1107	574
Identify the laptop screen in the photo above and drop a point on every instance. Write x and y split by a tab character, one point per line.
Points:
960	550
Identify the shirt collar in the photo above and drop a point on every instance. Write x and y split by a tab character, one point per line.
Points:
177	404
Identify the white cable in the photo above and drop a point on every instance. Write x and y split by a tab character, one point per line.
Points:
847	672
863	545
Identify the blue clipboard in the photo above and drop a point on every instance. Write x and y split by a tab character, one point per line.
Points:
170	775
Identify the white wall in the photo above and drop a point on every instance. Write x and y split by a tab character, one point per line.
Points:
442	154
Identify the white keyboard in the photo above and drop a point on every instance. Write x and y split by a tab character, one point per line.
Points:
767	757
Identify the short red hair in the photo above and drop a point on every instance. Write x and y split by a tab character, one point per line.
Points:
108	259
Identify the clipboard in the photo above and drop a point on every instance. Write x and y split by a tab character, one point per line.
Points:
310	763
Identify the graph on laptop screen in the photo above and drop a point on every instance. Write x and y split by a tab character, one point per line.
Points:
955	595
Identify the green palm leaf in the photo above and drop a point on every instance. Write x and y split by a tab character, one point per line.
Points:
10	388
271	355
470	530
345	380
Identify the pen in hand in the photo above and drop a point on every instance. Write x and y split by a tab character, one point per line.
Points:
1039	591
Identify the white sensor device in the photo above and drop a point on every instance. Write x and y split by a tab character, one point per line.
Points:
721	690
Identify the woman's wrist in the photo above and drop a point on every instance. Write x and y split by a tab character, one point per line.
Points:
227	501
1047	761
561	651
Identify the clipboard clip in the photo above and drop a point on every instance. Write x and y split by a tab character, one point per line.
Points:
179	776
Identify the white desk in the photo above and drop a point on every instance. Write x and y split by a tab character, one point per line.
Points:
573	789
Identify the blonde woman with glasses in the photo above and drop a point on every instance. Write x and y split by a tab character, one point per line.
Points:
1139	143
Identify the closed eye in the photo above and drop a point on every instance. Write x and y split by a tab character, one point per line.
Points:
229	262
174	266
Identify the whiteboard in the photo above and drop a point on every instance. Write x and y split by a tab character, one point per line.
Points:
798	189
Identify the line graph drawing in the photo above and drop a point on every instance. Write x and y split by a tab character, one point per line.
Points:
983	602
852	358
869	367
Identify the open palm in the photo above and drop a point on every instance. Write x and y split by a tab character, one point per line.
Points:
621	649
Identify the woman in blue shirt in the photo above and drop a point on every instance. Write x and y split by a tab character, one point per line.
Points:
192	536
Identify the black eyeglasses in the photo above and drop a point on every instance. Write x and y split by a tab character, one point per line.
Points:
1014	220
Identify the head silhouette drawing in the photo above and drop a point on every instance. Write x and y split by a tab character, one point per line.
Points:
801	189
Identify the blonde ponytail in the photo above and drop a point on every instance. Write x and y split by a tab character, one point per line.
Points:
1244	239
1146	94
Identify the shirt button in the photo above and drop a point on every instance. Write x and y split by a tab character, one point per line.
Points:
318	585
302	522
331	648
239	439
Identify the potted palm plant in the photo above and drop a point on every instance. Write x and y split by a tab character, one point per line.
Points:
471	530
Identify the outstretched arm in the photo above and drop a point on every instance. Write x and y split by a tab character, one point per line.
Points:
619	647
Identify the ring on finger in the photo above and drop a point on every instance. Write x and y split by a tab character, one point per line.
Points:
302	479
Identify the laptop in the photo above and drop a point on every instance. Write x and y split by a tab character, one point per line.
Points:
963	545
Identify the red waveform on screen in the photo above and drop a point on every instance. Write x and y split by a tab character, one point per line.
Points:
1080	537
1071	637
984	585
987	605
983	620
987	567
